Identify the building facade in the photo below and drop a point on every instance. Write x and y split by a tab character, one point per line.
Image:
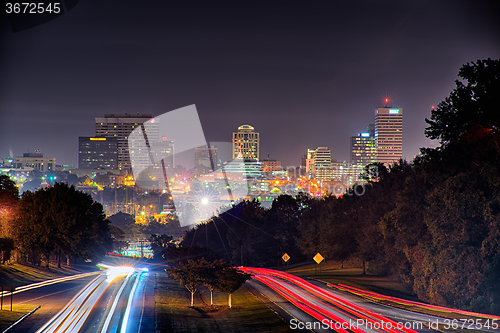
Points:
97	153
247	168
120	126
364	147
270	165
389	134
246	143
162	150
323	164
206	158
309	162
36	161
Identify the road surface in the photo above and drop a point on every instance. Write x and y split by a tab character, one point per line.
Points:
310	306
117	299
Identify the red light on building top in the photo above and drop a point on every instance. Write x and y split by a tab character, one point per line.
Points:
164	138
387	100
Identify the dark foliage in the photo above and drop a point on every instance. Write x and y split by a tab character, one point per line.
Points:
61	221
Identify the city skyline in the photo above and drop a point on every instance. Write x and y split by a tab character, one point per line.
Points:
305	75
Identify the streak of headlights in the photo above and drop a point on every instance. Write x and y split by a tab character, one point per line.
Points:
48	283
273	279
115	303
73	315
130	298
373	295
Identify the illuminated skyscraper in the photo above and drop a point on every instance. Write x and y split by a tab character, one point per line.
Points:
206	159
309	163
389	134
323	164
246	143
120	126
97	153
364	147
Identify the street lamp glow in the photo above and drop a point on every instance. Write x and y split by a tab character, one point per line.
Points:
204	201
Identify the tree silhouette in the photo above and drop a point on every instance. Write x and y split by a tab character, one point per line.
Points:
474	103
230	280
60	220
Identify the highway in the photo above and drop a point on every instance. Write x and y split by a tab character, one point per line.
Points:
310	306
120	299
113	300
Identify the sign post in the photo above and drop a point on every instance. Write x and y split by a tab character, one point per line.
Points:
4	290
285	258
318	258
11	295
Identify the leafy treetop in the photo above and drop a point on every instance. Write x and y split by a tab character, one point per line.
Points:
470	105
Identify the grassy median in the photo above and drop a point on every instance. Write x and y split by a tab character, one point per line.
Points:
248	314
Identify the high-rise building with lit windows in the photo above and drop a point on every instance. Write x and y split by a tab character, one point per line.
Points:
364	147
323	164
206	159
246	143
97	153
389	134
120	126
309	162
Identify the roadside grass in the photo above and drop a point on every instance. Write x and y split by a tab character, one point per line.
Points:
7	318
248	314
16	275
352	275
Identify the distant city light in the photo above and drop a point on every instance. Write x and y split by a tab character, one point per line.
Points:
365	135
204	201
393	111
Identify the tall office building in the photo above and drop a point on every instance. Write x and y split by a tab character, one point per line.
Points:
364	147
246	143
323	164
162	150
309	162
97	153
120	126
389	134
206	159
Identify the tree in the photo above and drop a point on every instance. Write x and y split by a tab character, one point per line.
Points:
472	104
60	220
8	187
9	195
230	280
190	275
210	274
6	247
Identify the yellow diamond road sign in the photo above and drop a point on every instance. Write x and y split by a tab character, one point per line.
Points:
286	257
318	258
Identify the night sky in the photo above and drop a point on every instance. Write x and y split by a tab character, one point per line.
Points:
304	74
